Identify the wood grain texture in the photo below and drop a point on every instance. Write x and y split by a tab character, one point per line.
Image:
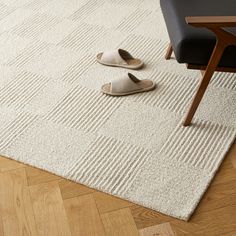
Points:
35	202
203	68
233	233
1	225
106	202
169	52
161	229
119	223
213	21
36	176
71	189
15	204
49	210
83	216
7	164
145	217
209	222
232	156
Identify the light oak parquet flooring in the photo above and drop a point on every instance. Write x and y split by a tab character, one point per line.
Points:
35	202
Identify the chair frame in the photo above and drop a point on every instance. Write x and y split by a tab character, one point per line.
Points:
216	24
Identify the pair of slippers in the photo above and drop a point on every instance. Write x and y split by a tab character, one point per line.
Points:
128	84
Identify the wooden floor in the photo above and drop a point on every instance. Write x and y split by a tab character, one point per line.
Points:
34	202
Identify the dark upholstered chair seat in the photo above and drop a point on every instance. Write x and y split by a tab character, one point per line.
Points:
194	45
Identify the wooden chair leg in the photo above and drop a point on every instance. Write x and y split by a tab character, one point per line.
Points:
212	65
169	52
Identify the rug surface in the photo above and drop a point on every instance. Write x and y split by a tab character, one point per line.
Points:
54	117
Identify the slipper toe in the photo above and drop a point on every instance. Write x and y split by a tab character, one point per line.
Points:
99	56
106	88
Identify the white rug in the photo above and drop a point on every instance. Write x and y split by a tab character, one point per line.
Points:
54	117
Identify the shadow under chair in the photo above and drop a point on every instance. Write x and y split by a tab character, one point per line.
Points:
203	36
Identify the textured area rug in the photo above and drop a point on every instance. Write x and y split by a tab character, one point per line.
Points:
54	117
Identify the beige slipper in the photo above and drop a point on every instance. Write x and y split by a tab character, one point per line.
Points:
128	85
119	58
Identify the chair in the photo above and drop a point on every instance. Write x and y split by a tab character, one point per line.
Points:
203	36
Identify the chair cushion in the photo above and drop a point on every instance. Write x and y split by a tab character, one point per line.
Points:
194	45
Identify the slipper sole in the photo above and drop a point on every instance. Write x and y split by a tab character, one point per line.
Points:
136	67
130	93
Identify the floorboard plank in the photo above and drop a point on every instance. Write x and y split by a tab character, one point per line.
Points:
211	223
232	155
145	217
226	172
7	164
83	216
15	204
37	176
106	202
161	229
71	189
218	196
119	223
232	233
49	210
1	226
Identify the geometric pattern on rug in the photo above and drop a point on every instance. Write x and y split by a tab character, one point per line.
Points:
54	117
74	108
